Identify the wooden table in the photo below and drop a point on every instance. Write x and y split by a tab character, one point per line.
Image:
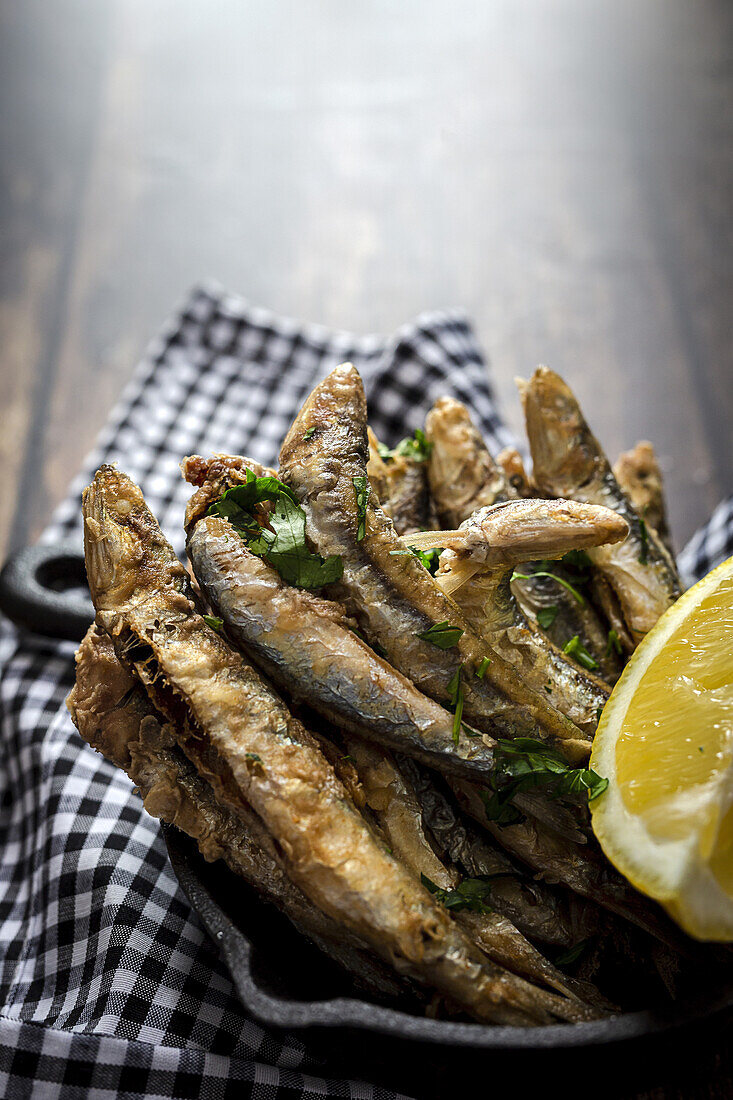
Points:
562	169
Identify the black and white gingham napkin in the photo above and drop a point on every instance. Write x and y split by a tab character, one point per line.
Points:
109	986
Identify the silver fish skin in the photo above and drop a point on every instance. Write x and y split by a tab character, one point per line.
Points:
395	597
462	474
401	484
302	642
568	462
640	476
113	714
245	743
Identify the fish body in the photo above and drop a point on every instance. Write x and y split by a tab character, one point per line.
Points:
640	477
395	598
401	485
568	462
254	754
304	644
462	474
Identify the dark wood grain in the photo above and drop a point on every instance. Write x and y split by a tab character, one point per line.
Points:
561	169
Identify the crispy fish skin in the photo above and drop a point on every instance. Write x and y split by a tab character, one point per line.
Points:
640	476
461	472
114	715
395	804
568	462
504	533
401	484
396	599
303	644
212	476
244	742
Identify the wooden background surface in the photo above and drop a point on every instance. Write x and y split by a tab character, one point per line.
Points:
561	168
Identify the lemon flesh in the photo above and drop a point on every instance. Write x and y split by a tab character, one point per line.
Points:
665	742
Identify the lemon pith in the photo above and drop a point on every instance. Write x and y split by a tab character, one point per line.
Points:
665	742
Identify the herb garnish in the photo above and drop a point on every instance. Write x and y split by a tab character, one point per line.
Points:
613	643
471	893
362	489
547	615
442	635
481	670
573	953
213	621
415	447
553	576
276	536
455	694
429	558
643	551
308	433
575	648
523	764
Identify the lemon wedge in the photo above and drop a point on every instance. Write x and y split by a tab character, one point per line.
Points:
665	743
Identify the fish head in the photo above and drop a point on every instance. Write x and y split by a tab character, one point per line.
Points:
564	452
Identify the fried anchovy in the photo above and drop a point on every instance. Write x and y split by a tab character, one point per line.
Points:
396	807
302	642
242	739
568	462
502	534
466	479
461	472
115	716
638	473
581	868
532	906
323	459
511	462
401	485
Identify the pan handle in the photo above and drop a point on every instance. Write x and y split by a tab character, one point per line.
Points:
40	591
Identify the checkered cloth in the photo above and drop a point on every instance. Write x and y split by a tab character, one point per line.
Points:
109	985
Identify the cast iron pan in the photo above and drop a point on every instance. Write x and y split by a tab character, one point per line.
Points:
285	982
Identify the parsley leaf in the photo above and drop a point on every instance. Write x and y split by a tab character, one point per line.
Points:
362	490
553	576
429	558
643	550
276	536
308	433
573	953
471	893
415	447
613	643
575	648
442	635
455	694
547	615
481	670
523	764
213	621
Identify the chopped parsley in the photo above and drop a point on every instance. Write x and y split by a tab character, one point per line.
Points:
613	643
575	648
523	764
362	489
481	670
599	712
414	446
254	757
573	953
278	535
553	576
442	635
429	558
643	549
213	621
471	893
455	694
308	433
547	615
